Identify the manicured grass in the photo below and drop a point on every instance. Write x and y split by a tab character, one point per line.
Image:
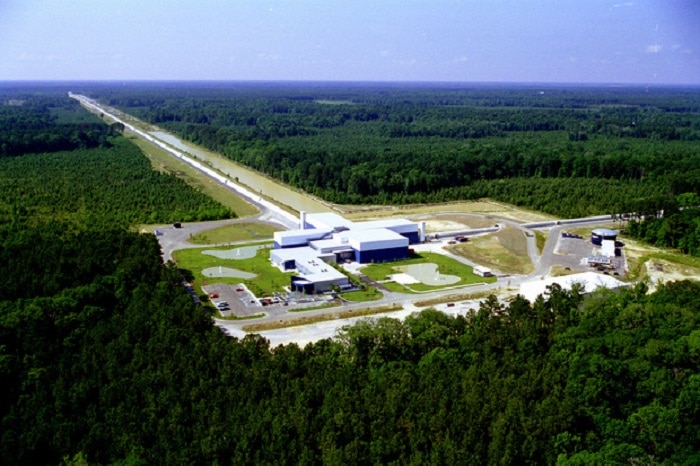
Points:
397	287
371	294
249	231
446	266
268	280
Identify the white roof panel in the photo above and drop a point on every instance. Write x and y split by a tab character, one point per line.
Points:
329	220
590	280
388	223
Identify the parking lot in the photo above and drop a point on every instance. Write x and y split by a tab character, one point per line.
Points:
241	302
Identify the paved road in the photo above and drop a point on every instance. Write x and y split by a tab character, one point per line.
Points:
268	209
173	239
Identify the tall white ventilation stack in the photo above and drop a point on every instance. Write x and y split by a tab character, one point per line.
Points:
302	220
422	232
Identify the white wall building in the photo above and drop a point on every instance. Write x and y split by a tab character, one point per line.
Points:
591	281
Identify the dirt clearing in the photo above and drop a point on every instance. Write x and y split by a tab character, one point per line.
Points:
504	252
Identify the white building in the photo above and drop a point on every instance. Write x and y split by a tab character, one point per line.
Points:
482	271
315	272
329	238
591	281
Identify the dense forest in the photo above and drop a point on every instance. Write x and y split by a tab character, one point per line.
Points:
597	150
46	122
105	358
62	159
116	364
678	227
567	151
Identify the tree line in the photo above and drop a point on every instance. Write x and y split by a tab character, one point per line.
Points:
106	183
49	122
678	226
115	364
106	359
398	144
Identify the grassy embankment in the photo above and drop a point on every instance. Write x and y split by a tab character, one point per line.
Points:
655	264
307	320
504	251
489	209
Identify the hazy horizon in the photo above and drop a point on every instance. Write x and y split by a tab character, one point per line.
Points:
604	42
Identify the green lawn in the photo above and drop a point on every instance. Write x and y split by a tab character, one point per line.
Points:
269	279
371	294
248	231
446	266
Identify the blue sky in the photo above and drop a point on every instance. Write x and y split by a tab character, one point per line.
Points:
586	41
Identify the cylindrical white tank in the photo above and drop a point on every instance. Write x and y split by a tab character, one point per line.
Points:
302	220
422	232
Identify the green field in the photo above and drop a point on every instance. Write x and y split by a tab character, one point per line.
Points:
446	266
268	280
249	231
370	294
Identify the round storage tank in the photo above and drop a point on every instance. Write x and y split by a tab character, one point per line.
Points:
600	234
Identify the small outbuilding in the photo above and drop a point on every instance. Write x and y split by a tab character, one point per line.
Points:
482	271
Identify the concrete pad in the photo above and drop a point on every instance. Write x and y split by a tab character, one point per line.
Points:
428	274
247	252
404	279
227	272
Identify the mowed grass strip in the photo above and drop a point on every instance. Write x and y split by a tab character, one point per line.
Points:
453	298
308	320
505	251
248	231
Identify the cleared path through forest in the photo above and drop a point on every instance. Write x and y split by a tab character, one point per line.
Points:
278	193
